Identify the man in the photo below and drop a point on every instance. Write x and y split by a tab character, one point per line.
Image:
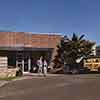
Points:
39	64
42	64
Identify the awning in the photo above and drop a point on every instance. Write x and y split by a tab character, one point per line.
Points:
25	49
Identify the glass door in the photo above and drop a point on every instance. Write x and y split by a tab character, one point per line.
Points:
23	61
26	66
19	60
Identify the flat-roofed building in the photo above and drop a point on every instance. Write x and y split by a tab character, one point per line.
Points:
23	49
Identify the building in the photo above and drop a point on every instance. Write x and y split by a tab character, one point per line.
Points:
92	63
23	49
98	50
94	49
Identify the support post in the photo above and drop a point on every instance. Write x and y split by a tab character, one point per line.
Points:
23	65
29	64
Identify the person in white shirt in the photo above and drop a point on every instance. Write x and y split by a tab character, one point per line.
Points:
44	67
39	64
42	64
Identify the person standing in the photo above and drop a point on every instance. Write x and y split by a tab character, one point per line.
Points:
42	64
44	67
39	64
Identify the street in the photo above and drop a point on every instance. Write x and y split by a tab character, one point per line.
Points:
61	87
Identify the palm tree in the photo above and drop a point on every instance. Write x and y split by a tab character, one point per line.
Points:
72	50
58	60
76	48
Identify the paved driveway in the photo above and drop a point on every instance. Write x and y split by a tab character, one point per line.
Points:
65	87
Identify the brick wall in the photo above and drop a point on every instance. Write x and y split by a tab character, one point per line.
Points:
4	72
28	39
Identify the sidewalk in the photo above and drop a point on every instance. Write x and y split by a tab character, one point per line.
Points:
37	74
28	76
34	75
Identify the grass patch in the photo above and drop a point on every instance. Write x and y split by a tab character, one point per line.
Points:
7	78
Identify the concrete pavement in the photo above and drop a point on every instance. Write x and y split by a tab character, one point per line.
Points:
64	87
26	76
2	83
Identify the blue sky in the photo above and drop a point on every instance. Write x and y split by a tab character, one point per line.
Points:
43	16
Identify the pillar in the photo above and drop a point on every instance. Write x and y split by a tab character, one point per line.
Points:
23	65
29	63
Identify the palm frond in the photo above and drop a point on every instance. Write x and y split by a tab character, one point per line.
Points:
81	37
74	37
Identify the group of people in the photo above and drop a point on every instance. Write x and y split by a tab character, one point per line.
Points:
42	66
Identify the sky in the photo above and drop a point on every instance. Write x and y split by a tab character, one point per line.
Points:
55	16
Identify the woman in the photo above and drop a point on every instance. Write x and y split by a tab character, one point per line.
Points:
44	67
39	64
42	64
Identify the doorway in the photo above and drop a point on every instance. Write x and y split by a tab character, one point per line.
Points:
23	61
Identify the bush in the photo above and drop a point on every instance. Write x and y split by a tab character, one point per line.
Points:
19	72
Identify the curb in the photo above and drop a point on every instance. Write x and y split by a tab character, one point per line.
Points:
20	78
33	74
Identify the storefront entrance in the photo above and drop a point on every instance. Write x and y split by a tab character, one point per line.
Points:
25	58
23	61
